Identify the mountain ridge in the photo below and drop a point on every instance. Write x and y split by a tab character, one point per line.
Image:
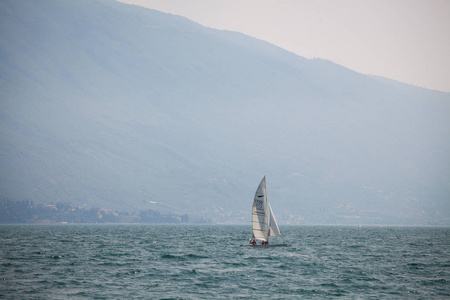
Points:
119	106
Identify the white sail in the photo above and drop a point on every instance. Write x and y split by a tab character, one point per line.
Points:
260	226
264	223
273	228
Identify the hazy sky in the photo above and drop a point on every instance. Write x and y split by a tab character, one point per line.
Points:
405	40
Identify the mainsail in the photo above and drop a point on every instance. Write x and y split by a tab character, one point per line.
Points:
260	226
264	223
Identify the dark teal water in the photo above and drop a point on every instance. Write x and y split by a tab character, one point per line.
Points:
206	262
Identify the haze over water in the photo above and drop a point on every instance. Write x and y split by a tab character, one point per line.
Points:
206	262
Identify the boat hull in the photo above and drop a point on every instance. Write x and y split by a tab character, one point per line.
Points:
266	246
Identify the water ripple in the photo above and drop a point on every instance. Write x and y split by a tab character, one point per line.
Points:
204	262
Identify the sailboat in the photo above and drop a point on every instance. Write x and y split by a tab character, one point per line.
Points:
264	224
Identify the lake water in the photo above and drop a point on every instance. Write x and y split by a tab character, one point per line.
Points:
207	262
